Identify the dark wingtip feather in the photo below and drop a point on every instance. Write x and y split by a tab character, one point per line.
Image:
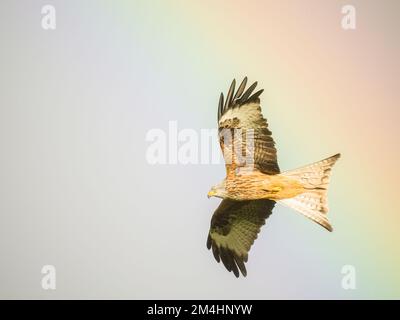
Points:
256	95
225	259
229	96
248	92
220	105
209	241
240	89
216	252
241	265
235	270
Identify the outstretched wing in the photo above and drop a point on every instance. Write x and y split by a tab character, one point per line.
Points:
239	120
234	228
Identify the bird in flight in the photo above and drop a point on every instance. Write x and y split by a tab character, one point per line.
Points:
254	182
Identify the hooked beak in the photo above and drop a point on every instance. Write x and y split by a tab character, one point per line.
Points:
210	194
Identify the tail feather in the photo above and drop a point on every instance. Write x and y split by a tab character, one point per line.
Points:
314	178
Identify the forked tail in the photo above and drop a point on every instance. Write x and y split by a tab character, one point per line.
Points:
315	179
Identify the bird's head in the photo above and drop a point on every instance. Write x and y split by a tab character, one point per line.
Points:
217	191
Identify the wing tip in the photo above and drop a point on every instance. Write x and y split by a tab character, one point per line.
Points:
209	242
231	261
240	97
